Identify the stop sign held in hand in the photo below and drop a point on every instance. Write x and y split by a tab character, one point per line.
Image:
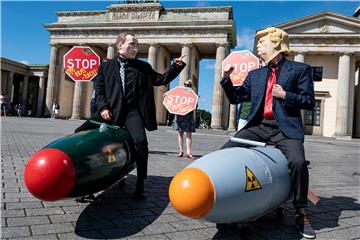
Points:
243	62
81	63
180	100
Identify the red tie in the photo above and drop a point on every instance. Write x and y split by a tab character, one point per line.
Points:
268	113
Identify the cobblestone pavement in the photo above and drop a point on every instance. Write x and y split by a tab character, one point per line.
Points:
334	176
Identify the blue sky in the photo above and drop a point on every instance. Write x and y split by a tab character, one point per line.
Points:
24	39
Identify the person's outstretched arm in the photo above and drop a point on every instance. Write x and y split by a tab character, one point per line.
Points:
174	70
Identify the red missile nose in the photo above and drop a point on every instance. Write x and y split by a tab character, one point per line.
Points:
50	174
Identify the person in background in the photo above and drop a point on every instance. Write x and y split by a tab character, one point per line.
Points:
3	104
53	110
18	109
56	111
185	124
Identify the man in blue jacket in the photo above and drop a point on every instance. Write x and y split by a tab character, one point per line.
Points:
277	93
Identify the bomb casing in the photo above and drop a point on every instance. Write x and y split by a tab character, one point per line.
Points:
80	164
236	185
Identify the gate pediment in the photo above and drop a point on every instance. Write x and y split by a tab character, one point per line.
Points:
325	22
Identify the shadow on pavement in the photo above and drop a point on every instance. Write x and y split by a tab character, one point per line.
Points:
119	215
170	153
325	215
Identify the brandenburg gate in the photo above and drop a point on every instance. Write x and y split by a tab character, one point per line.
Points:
197	32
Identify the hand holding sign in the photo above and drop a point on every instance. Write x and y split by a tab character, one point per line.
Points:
241	63
228	70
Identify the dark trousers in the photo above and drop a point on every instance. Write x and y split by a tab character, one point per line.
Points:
93	107
293	149
134	124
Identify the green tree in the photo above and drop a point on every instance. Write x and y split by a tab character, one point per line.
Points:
245	110
203	116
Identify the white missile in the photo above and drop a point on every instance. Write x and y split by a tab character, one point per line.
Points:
232	185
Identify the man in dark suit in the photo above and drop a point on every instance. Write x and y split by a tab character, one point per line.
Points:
277	93
124	96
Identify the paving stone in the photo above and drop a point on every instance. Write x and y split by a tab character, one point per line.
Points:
15	232
158	228
354	221
165	218
52	228
13	213
27	221
119	233
22	205
81	235
64	218
346	233
10	189
43	211
137	213
186	235
93	224
187	225
150	237
41	237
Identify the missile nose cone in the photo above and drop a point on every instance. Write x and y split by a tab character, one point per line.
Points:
49	174
192	193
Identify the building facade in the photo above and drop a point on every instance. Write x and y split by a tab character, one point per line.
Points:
25	85
330	43
327	41
200	32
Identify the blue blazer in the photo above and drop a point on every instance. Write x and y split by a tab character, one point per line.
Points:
295	79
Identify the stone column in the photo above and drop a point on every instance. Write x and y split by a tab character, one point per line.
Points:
185	73
40	100
153	59
24	95
152	55
357	106
342	101
299	57
77	102
110	51
9	90
51	80
232	118
216	112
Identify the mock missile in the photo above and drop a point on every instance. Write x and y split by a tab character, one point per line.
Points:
80	164
232	185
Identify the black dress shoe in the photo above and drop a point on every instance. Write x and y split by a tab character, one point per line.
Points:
85	199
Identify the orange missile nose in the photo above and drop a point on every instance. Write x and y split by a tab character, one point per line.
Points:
50	174
192	193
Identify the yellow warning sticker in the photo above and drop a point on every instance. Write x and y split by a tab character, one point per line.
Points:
252	183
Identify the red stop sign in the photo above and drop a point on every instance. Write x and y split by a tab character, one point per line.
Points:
243	62
81	63
180	100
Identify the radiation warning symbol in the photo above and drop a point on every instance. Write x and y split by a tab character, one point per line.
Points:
252	183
